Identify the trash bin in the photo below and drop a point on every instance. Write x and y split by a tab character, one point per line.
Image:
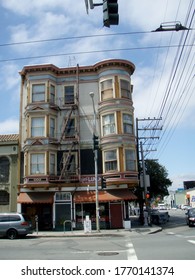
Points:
127	224
87	224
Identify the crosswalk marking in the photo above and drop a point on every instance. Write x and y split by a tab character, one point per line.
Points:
131	255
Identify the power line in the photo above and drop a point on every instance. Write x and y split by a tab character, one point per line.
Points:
91	52
73	38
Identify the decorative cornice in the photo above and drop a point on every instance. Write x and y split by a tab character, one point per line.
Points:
111	63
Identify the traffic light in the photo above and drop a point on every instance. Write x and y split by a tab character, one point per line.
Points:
110	12
95	142
103	183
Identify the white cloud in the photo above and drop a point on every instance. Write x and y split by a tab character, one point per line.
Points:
9	126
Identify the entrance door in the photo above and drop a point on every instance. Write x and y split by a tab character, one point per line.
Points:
116	215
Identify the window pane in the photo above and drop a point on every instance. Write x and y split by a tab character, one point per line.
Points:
38	93
69	94
52	164
108	124
37	127
130	160
70	128
52	94
38	164
110	160
52	127
125	89
4	169
127	123
106	89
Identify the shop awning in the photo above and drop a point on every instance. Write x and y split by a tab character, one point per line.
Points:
35	198
104	196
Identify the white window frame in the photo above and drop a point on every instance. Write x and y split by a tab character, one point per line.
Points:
127	123
110	170
39	93
39	170
32	134
111	127
111	88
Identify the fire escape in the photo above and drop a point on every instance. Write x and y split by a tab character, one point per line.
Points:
69	140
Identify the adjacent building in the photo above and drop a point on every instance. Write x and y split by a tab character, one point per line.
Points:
57	123
8	172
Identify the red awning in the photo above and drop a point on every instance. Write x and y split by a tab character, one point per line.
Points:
104	196
35	198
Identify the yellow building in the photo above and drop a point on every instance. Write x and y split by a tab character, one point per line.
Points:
57	123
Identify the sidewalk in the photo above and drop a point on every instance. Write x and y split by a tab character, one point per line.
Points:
110	232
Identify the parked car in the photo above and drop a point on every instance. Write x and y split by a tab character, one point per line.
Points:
13	225
190	217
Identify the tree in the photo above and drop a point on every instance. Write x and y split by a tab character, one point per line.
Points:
159	181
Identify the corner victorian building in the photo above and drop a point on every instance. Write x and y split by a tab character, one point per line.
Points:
57	120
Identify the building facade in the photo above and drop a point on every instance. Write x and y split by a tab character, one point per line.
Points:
57	122
8	172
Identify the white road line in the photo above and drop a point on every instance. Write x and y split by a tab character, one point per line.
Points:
131	255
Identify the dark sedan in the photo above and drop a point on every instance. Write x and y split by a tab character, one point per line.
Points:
190	217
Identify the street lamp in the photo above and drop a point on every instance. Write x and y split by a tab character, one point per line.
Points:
96	165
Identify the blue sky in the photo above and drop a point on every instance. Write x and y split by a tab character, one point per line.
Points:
163	81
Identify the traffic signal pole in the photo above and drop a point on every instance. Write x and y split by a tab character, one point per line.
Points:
95	150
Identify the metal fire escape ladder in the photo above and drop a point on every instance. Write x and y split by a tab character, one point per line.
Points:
67	161
65	175
66	119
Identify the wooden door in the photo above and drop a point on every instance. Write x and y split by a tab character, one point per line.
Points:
116	215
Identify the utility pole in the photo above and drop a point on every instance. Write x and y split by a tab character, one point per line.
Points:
143	194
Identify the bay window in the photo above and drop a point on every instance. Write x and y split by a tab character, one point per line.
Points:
37	126
108	124
52	127
130	160
52	166
52	94
106	89
38	93
127	123
37	164
125	89
110	160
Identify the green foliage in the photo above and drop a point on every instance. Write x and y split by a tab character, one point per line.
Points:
159	181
